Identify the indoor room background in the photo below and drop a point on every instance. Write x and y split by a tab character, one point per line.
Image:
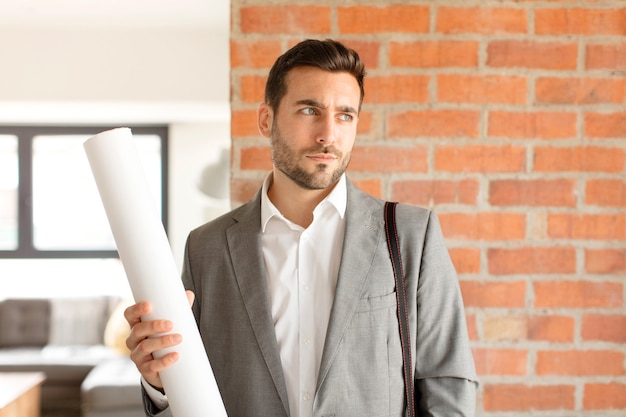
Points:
507	117
113	64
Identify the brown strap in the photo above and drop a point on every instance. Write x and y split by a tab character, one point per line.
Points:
403	318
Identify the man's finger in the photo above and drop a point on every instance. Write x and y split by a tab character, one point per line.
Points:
133	313
190	297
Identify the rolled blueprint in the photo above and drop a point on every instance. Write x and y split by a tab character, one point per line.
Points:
151	270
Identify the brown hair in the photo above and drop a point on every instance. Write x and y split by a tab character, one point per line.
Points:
328	55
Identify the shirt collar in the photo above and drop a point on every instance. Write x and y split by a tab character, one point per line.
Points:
338	197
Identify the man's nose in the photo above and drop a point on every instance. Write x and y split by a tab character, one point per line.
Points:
327	130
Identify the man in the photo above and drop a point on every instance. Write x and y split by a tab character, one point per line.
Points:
294	291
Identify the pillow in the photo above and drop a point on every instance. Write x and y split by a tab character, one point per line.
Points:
78	321
24	322
117	328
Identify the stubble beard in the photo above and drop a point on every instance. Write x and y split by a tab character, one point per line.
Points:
286	160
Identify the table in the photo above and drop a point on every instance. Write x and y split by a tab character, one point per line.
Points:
20	394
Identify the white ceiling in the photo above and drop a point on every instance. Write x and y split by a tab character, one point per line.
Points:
213	14
57	18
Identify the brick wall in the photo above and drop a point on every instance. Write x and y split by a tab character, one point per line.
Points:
509	119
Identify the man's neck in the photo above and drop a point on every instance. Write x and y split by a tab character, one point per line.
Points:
293	201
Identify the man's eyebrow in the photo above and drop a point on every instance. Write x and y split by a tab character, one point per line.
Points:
313	103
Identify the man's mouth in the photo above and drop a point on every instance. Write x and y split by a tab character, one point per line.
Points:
322	157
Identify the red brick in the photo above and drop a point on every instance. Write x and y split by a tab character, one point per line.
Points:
243	123
580	21
256	158
386	159
580	363
559	192
578	294
434	54
556	90
289	19
431	192
603	327
254	54
587	226
482	20
242	190
472	328
494	294
390	18
532	125
530	54
604	396
480	158
369	51
365	123
551	328
606	192
605	261
606	56
504	327
605	125
500	361
519	397
483	226
545	328
481	89
434	124
532	260
397	89
465	260
253	88
579	159
371	186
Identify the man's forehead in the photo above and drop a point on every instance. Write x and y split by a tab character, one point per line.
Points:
307	84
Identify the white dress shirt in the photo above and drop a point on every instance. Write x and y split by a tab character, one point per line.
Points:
302	267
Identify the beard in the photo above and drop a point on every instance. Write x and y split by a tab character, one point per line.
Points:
286	160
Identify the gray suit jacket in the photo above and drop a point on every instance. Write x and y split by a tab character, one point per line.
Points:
361	367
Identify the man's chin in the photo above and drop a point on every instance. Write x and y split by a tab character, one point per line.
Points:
322	181
319	177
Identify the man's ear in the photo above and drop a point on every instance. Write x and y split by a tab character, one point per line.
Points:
265	118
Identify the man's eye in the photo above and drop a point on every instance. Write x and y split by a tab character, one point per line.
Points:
345	117
308	111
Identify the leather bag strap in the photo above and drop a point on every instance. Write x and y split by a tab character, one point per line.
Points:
403	319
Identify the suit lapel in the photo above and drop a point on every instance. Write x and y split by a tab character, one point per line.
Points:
360	243
247	260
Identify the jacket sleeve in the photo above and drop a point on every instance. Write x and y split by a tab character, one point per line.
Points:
445	375
446	396
150	409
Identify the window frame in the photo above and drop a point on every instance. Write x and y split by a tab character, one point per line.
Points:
25	227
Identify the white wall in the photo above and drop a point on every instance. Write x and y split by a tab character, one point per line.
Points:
113	64
196	147
145	75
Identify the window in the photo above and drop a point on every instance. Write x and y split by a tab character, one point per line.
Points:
8	192
49	203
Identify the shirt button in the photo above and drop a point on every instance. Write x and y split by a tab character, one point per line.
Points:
307	341
305	288
306	396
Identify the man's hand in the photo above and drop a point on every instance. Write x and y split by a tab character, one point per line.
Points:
142	343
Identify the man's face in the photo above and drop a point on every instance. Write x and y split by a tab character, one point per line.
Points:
314	128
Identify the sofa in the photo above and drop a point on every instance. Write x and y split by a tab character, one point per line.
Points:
112	389
78	344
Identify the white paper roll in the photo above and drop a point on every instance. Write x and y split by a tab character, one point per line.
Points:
151	270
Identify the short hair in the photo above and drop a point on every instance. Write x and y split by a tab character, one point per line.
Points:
328	55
